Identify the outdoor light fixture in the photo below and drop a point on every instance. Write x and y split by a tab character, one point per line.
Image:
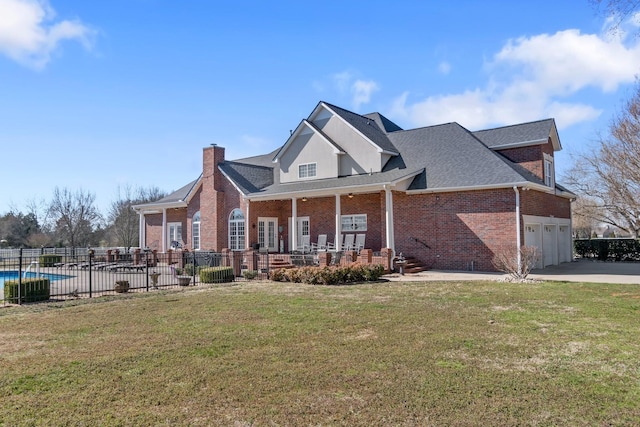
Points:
351	195
304	199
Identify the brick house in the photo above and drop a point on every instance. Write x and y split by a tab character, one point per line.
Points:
447	196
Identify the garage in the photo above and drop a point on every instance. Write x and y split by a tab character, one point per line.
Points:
551	236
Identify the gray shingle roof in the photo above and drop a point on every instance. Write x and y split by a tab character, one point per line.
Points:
452	158
249	178
383	123
532	132
179	195
367	126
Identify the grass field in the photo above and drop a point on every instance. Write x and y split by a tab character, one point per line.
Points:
263	354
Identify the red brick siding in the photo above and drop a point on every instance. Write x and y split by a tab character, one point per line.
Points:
531	158
153	231
543	204
458	228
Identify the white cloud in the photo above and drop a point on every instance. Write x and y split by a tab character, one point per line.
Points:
444	67
534	77
362	91
29	36
347	84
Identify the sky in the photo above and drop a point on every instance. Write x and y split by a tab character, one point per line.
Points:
100	95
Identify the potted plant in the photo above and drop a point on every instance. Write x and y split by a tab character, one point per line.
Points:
183	280
121	286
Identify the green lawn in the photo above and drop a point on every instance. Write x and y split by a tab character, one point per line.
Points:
263	354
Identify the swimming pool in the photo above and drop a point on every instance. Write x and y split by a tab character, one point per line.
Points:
14	274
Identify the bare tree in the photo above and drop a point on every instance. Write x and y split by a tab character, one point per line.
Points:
75	216
124	222
610	178
616	10
517	263
585	217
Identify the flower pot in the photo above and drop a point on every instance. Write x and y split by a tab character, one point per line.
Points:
183	280
122	286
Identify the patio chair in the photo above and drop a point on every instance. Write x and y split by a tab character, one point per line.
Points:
348	244
322	245
305	245
359	245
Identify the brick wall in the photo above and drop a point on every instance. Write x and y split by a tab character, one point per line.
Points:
543	204
455	231
531	158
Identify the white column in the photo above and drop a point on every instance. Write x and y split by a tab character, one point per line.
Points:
389	219
294	224
164	230
246	226
518	243
338	235
141	232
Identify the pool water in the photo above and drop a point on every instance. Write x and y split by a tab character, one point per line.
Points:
13	275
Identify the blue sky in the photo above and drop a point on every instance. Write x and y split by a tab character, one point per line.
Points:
100	94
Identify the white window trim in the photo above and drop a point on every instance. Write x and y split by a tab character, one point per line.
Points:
306	166
265	243
195	235
549	178
240	238
354	225
171	225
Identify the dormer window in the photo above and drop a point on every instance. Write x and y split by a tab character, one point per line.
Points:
548	171
307	170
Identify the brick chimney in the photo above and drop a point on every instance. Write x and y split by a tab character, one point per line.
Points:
212	200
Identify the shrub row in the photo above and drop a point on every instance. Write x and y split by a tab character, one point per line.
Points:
216	274
31	290
49	260
329	275
608	249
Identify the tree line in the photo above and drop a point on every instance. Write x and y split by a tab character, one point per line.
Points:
71	218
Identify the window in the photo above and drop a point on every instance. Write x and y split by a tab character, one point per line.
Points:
548	171
195	231
354	222
236	230
307	170
174	230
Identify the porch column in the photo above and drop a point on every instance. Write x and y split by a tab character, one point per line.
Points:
338	237
389	219
294	224
141	232
246	226
164	230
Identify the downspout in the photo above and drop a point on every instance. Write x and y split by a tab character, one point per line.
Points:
294	225
338	224
518	242
390	235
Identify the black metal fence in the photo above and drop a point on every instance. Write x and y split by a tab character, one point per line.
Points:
87	273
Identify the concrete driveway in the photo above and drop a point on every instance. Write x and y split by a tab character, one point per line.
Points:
576	271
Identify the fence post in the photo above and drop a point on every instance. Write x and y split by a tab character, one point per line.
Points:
90	284
20	278
146	263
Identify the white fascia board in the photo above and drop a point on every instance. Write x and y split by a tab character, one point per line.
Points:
232	183
326	192
376	146
555	138
520	144
286	145
525	185
150	208
194	189
313	129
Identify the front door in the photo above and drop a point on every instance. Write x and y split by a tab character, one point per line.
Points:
302	232
268	233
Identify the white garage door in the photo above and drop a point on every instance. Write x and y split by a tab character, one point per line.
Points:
550	244
533	237
565	254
